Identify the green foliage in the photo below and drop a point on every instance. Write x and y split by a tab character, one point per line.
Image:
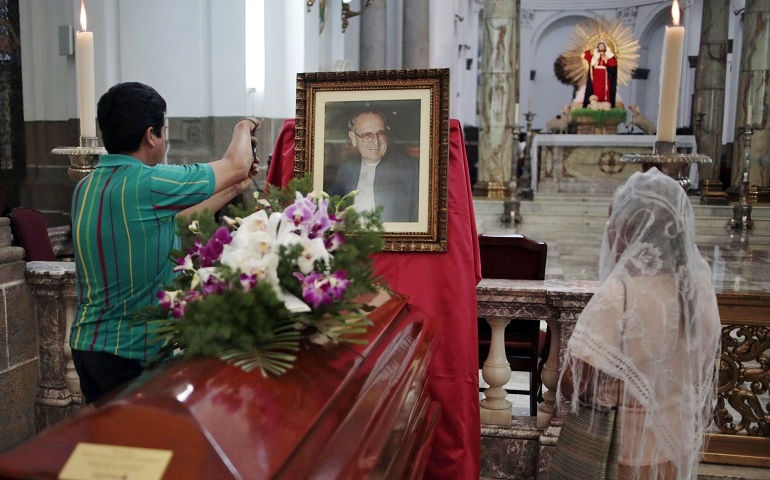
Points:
207	225
614	115
253	328
253	319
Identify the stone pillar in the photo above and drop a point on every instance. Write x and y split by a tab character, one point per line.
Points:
18	352
754	90
498	95
374	22
710	75
53	286
416	39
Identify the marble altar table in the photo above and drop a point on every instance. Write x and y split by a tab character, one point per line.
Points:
591	163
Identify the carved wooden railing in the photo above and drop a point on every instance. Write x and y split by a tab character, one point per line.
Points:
740	433
741	430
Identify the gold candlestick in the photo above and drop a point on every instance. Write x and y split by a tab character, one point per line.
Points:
83	158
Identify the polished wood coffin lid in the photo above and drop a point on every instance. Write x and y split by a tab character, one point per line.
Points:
343	411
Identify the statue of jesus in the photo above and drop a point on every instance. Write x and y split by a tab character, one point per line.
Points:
602	74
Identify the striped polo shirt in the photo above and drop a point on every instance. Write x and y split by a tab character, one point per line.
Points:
123	228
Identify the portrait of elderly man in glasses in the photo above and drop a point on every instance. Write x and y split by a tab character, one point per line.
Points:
383	177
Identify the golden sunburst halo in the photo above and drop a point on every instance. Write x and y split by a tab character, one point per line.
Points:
618	37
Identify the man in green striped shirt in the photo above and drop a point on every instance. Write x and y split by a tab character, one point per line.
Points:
123	228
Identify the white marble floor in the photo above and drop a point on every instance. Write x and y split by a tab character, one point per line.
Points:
572	225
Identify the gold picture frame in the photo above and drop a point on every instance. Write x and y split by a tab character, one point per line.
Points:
414	105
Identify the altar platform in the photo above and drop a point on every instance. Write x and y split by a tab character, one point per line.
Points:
590	164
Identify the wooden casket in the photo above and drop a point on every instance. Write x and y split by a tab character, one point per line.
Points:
343	412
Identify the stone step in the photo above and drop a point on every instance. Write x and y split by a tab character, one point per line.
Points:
555	206
708	471
572	212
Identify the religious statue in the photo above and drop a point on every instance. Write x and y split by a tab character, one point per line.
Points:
601	57
602	75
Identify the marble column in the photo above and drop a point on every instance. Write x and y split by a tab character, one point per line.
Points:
498	96
53	287
754	90
373	36
416	37
710	75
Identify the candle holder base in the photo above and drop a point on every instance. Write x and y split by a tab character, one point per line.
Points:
665	158
511	210
83	158
741	217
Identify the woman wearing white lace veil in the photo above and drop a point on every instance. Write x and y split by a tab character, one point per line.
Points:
648	339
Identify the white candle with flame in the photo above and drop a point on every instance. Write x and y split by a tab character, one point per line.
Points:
84	59
670	76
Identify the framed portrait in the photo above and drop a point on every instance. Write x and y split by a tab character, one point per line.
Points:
384	133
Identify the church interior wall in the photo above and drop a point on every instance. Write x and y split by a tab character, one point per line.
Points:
193	52
547	95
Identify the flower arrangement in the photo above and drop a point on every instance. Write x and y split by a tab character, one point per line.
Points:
249	290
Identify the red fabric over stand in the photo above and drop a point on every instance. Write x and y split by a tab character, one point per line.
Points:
444	286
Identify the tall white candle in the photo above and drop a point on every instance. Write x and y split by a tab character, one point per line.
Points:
516	114
670	76
748	114
84	59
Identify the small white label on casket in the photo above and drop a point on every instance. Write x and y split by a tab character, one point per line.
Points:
92	461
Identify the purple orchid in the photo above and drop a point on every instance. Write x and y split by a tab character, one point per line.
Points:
301	211
213	285
319	289
211	252
248	281
334	241
320	221
170	302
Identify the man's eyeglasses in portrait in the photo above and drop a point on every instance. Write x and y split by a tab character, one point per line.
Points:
368	137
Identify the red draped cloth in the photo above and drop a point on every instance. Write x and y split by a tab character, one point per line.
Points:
444	286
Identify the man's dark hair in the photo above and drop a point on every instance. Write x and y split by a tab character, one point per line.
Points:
125	112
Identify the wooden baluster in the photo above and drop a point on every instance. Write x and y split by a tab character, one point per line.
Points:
495	409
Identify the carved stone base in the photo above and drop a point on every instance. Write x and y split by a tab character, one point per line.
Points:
54	403
496	417
510	452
